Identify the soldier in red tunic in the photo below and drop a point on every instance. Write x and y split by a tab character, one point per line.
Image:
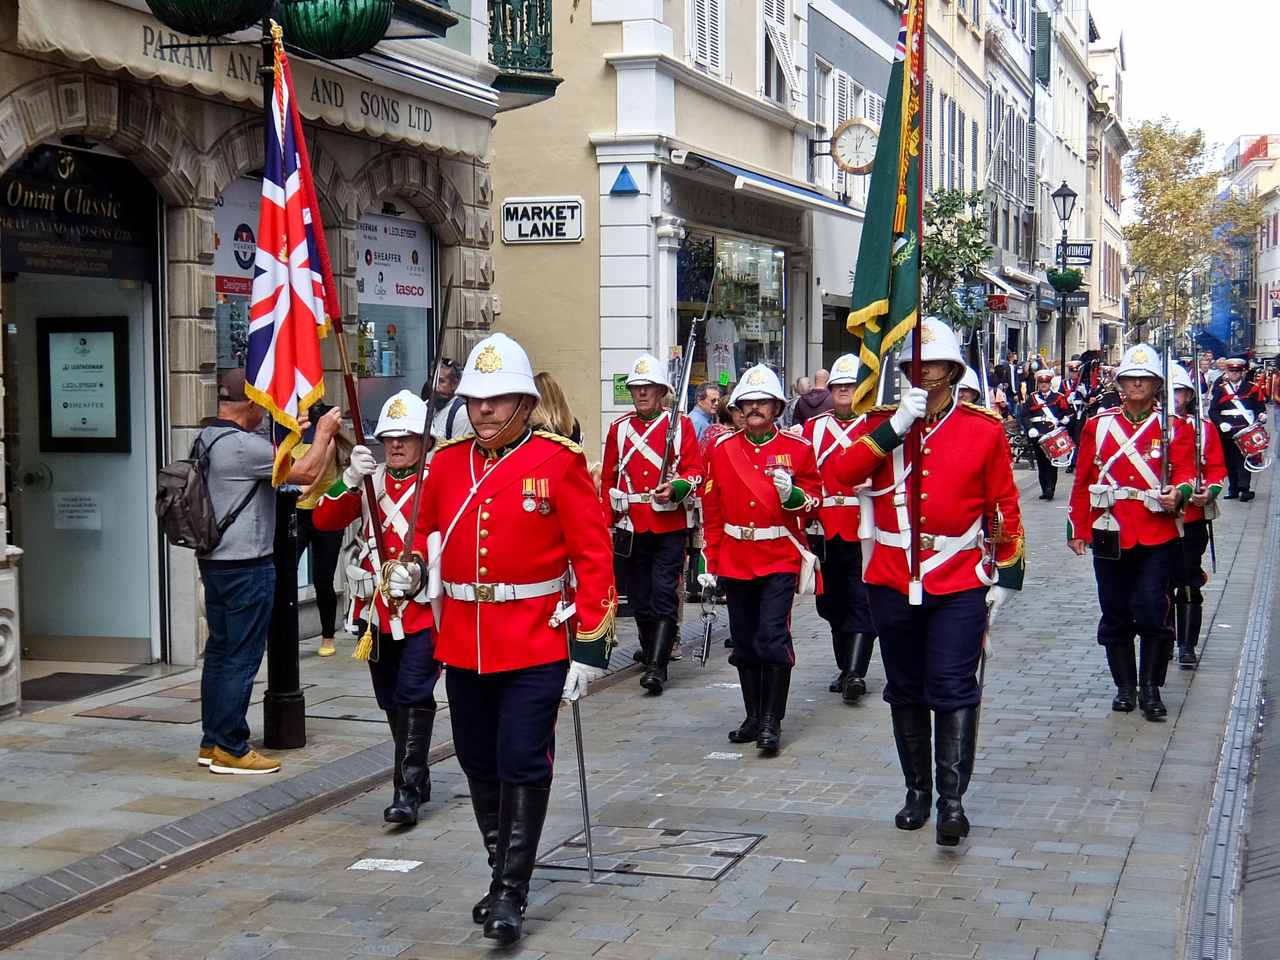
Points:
1189	574
402	659
528	608
762	488
843	601
1121	505
971	558
647	508
1235	405
1044	412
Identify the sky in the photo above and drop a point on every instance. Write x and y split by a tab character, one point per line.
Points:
1207	65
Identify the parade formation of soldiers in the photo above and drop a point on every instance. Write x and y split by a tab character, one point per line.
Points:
509	579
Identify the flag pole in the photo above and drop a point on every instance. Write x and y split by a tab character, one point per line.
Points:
915	589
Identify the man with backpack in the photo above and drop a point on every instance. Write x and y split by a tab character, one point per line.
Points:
449	418
238	572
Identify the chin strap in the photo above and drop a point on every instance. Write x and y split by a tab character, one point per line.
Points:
501	438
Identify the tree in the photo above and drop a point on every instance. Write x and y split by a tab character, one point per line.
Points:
955	248
1187	226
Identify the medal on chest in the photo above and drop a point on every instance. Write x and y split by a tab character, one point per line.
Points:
1156	450
529	504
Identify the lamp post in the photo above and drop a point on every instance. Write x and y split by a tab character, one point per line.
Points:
1064	202
1139	277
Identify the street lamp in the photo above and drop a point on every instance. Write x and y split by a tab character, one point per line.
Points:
1064	202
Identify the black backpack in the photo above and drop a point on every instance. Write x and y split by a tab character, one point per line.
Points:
183	504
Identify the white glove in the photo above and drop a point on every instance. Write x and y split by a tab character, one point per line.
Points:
782	483
707	581
404	579
911	408
579	679
618	500
1033	433
362	465
996	596
1224	427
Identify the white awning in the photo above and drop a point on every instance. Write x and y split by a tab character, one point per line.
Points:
1020	276
1003	285
775	188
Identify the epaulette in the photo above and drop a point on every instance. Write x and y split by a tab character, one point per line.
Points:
563	441
725	436
454	441
621	419
884	408
985	411
796	436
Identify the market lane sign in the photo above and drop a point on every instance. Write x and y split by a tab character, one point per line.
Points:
542	220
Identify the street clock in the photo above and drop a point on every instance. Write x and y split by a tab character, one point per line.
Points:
853	145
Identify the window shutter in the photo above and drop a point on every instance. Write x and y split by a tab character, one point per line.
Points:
706	43
942	141
1033	165
951	144
843	97
1044	46
961	126
974	157
875	108
778	36
928	135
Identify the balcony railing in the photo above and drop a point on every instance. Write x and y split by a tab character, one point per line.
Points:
520	35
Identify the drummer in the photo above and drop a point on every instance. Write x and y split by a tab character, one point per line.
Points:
1045	412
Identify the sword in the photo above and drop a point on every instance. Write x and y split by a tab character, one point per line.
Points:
708	620
564	615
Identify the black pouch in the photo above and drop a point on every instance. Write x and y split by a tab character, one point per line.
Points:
1106	544
623	541
818	546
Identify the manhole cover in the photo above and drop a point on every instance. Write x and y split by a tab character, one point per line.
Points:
654	852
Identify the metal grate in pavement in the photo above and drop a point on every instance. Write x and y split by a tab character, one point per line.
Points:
1211	918
670	852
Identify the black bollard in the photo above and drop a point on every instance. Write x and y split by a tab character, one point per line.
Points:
284	725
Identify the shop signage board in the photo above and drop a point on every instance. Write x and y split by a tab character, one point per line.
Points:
84	384
76	511
1079	253
1079	298
998	302
78	214
393	262
542	220
621	392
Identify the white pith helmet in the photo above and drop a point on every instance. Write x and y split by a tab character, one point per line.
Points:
403	415
497	365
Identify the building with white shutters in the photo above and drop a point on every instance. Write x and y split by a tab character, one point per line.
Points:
1104	197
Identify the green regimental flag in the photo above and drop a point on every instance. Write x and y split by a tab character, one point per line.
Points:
886	285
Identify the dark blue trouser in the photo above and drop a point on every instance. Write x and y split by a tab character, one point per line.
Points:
654	574
404	673
504	724
238	599
930	652
843	601
1134	594
760	619
1188	574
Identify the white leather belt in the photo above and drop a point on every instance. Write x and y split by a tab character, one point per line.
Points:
1133	493
930	541
501	592
841	500
639	497
754	533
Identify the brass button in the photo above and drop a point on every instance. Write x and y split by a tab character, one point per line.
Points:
923	473
752	504
923	518
751	524
484	551
488	500
483	571
485	515
927	450
483	534
757	449
924	496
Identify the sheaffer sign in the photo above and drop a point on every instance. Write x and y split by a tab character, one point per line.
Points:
542	220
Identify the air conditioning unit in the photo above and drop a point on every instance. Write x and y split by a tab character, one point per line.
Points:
10	635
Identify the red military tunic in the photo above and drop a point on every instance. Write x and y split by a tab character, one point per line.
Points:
1136	468
519	518
830	435
967	495
1213	464
637	446
738	494
340	506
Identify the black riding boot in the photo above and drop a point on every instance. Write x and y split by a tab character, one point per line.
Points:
1124	671
484	801
1154	660
395	720
1189	639
912	732
415	778
855	685
777	684
749	678
665	635
644	653
842	645
521	812
956	741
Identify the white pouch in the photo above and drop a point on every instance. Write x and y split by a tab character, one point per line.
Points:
359	582
435	583
1102	496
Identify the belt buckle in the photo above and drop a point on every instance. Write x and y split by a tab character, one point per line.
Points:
926	541
748	533
839	500
484	593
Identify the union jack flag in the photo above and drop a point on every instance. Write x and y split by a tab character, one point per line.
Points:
294	296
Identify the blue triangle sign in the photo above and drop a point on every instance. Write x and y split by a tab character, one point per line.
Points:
625	185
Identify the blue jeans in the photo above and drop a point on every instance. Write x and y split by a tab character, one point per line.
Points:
238	599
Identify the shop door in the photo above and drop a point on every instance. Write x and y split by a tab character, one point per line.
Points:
83	519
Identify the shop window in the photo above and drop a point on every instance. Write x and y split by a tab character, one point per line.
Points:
746	322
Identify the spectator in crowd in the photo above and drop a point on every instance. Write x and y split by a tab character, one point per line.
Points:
703	413
802	386
813	402
449	419
552	412
325	545
728	419
238	574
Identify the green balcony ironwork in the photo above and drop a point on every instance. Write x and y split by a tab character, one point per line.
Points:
520	46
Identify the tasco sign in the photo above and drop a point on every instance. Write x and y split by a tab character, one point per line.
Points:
542	220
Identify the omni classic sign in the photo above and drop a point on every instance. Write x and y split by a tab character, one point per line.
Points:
542	220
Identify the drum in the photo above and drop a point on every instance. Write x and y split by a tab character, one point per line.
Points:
1058	447
1254	442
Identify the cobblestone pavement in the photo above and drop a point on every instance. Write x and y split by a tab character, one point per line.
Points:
1086	822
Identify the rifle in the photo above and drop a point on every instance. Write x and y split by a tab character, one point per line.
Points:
682	383
708	621
1166	468
1199	423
